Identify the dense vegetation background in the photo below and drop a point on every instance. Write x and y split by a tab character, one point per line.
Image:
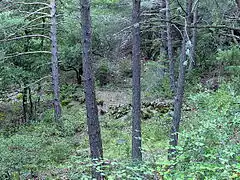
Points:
188	49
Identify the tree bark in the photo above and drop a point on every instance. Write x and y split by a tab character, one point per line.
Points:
94	131
24	104
178	100
192	62
163	36
55	67
31	115
170	49
136	67
238	4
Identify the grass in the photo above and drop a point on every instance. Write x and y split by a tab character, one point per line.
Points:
44	149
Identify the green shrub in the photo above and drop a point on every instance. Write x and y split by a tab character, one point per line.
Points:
229	60
68	92
209	145
73	122
103	74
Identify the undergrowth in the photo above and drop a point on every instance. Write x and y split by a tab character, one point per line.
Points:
208	144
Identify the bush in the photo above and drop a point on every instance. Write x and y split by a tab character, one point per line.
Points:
229	60
103	75
104	72
209	145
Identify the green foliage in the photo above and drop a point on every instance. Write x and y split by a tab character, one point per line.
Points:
209	142
230	59
69	93
39	146
73	122
103	74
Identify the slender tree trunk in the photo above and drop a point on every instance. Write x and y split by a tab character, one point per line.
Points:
170	49
94	131
192	62
163	36
178	100
31	114
55	67
136	67
238	4
39	93
24	104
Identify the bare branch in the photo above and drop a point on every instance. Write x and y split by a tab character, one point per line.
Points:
27	36
33	3
181	7
35	12
28	27
25	53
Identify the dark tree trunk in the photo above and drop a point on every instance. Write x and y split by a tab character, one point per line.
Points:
170	49
136	67
31	114
178	100
55	67
189	6
39	93
24	104
163	36
238	4
94	131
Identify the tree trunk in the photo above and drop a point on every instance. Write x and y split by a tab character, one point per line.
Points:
238	4
24	104
94	131
31	114
170	49
136	67
163	36
178	100
55	67
192	62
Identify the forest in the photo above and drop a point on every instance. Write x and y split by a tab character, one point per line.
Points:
119	89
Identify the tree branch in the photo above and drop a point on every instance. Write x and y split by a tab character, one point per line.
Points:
35	12
25	53
33	3
181	7
27	36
